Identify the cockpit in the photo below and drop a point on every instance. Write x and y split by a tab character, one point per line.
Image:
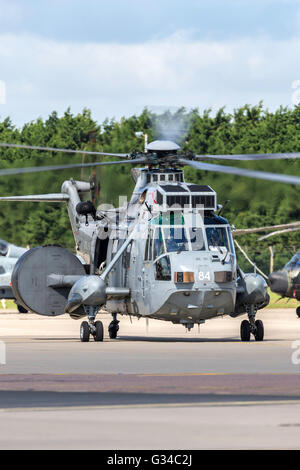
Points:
174	235
294	263
3	248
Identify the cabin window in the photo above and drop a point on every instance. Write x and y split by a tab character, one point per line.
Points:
126	257
158	248
294	262
163	269
148	248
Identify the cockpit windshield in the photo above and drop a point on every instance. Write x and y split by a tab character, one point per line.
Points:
216	238
197	239
165	239
3	248
176	239
294	263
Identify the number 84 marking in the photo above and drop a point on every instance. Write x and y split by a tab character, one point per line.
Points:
204	275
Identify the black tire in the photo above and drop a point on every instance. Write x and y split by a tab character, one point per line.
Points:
113	329
84	332
22	309
245	330
98	335
113	332
259	334
298	311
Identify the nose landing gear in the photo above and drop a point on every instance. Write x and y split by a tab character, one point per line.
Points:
256	327
91	327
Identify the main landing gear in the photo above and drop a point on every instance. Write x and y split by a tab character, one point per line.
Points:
256	327
113	327
91	327
298	311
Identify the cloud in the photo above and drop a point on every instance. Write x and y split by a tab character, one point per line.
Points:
114	79
11	14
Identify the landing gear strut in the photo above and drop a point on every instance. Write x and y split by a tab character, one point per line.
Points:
91	327
256	327
113	327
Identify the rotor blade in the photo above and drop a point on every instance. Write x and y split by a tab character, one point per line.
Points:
55	197
36	169
251	156
54	149
242	172
278	232
244	231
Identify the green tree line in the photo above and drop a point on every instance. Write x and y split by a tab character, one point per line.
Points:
249	129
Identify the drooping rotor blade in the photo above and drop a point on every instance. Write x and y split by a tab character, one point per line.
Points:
251	156
279	232
244	231
54	149
37	169
242	172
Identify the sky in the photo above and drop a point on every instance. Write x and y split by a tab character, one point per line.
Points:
117	57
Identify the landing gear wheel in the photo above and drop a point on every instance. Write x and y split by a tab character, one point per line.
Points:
98	335
298	311
259	333
84	332
113	329
21	309
245	330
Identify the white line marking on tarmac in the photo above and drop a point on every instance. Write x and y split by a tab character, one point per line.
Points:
152	405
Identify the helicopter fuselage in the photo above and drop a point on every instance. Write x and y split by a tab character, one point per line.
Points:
180	265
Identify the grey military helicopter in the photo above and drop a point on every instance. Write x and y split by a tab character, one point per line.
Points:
165	255
286	282
9	255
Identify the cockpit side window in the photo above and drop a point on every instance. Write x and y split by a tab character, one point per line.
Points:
3	248
163	269
230	240
294	262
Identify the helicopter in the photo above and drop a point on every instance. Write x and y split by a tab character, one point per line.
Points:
286	282
165	255
9	255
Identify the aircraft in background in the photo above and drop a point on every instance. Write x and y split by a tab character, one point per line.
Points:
9	254
287	281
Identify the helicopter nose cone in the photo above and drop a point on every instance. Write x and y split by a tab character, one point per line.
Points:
278	282
73	303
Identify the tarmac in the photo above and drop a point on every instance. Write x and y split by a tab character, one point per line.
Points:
155	387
